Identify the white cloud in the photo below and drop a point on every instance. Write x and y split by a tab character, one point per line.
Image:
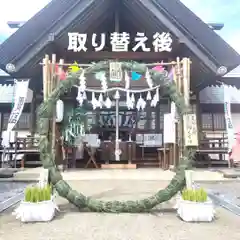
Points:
18	10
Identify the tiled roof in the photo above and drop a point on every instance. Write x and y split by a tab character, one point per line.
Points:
215	94
235	73
58	13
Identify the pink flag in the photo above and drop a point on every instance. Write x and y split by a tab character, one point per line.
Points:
158	68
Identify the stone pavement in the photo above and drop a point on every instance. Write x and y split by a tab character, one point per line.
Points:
132	174
160	224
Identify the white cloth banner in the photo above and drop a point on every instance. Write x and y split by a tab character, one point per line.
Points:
169	129
21	90
228	118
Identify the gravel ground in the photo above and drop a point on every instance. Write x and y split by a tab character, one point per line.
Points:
70	224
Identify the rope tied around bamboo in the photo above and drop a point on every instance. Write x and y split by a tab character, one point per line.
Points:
63	188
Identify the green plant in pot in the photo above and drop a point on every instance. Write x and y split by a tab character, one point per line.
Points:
194	195
36	194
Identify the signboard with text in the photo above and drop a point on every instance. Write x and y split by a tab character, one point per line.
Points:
190	130
120	42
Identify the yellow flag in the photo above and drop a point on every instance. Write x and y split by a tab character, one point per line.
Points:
74	67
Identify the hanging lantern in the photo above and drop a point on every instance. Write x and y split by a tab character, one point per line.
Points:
59	111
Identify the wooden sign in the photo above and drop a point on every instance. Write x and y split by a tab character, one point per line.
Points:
169	130
152	140
190	130
115	71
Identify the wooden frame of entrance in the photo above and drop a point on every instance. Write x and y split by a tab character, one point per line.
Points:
181	75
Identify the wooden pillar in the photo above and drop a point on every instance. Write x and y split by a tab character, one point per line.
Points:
180	123
33	115
199	116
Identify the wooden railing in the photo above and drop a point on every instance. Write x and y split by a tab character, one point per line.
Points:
23	147
210	147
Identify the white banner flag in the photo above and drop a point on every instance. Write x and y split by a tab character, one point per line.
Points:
228	118
21	90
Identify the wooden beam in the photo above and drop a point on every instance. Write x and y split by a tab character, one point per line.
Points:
118	55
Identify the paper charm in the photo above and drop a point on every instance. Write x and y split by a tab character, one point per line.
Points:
94	101
80	98
149	97
84	96
141	104
127	80
100	100
132	98
117	95
102	77
136	76
82	81
108	103
129	102
148	78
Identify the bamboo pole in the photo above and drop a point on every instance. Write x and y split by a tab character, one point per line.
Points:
185	72
89	65
49	78
175	123
52	86
180	124
58	144
45	77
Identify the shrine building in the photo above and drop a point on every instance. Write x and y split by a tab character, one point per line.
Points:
165	36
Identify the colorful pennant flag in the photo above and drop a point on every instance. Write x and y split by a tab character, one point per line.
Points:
136	76
60	72
158	68
171	74
74	67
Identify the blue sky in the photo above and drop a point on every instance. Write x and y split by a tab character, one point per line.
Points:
221	11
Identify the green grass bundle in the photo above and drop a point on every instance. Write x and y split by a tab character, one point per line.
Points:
194	195
36	194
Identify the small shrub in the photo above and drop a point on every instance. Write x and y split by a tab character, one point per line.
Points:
194	195
37	194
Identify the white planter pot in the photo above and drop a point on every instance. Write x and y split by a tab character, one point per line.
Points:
195	211
36	212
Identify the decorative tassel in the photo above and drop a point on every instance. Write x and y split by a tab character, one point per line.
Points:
82	82
149	97
127	80
117	95
148	79
108	103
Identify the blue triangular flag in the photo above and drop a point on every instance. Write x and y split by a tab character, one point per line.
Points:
136	76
